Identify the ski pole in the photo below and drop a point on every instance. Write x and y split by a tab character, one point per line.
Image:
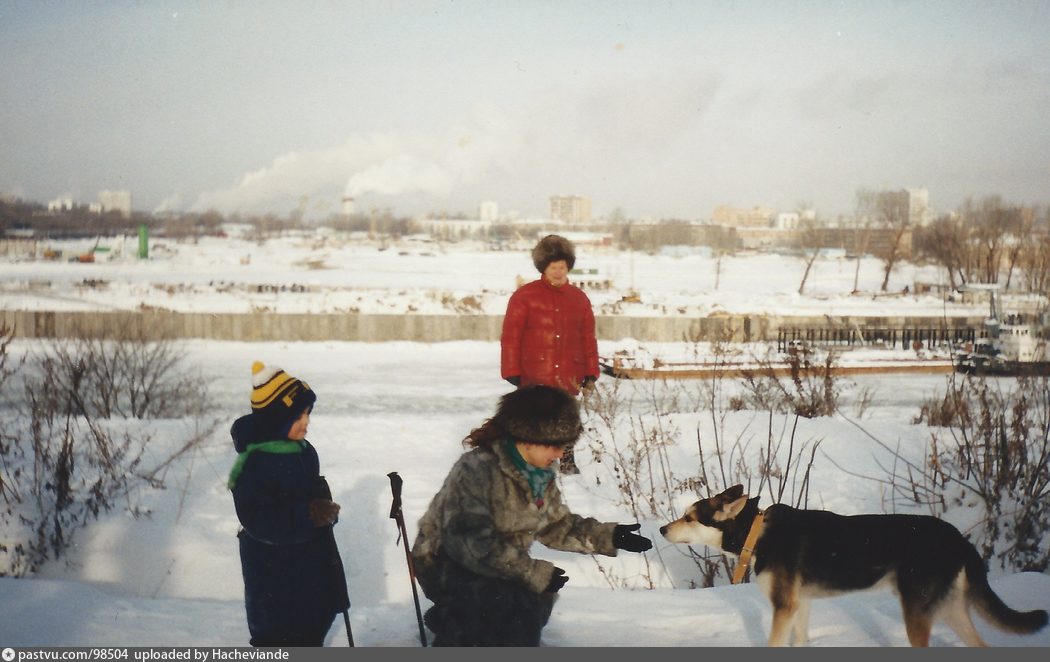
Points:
325	492
349	634
399	518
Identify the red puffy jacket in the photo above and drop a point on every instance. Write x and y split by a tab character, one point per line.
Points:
548	336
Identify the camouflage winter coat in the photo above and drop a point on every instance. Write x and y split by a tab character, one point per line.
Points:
485	519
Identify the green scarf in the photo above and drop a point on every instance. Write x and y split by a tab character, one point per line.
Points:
282	447
538	478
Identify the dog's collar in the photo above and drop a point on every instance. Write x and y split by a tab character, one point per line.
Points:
749	547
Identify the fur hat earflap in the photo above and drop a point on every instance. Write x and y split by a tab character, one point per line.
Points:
540	415
551	249
278	396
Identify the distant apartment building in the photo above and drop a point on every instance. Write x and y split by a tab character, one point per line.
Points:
60	204
918	206
450	229
792	220
488	210
118	201
571	208
912	205
654	235
756	217
787	220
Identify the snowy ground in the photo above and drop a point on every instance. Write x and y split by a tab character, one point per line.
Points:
173	579
320	273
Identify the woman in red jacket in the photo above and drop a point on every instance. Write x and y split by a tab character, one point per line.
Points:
548	331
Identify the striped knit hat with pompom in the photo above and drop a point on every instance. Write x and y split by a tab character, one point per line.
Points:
278	396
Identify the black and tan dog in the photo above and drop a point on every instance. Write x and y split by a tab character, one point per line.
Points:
797	555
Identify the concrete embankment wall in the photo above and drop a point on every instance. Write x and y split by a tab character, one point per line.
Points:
428	328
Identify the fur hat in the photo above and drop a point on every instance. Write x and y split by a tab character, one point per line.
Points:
278	396
540	415
551	249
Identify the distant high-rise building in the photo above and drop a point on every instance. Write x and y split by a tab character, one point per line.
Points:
571	208
908	206
118	201
488	210
918	206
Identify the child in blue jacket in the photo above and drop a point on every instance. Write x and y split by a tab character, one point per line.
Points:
294	583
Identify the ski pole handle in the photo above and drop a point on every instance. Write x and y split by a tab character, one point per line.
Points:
395	488
402	534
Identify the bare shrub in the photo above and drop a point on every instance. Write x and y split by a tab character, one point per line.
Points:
948	410
634	432
121	372
864	400
987	466
810	389
71	457
8	438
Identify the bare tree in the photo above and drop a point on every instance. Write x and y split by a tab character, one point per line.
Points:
861	239
886	210
1016	239
990	221
1034	263
945	242
810	242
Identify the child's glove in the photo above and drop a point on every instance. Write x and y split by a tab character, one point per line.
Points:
323	512
623	538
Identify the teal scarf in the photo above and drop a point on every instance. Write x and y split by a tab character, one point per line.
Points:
264	446
538	478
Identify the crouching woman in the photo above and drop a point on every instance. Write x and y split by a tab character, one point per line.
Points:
471	553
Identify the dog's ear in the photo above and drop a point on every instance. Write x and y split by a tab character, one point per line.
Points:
731	509
732	493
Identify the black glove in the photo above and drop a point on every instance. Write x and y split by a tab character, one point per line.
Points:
632	542
558	580
514	379
588	382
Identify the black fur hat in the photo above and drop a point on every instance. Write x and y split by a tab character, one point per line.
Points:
551	249
540	415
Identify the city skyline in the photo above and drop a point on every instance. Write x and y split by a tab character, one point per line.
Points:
660	109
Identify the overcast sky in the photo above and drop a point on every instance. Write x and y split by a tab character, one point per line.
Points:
661	109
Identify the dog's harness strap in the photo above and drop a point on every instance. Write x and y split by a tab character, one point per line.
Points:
749	547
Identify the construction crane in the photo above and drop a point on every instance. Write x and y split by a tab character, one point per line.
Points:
90	255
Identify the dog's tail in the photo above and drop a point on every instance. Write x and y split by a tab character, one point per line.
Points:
991	606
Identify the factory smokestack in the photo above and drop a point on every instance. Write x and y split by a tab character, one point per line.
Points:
348	206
